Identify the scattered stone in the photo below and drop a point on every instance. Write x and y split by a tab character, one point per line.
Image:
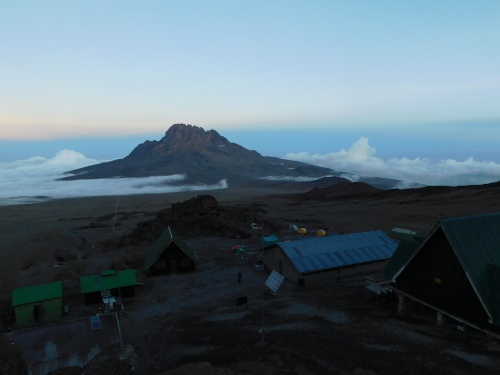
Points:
64	255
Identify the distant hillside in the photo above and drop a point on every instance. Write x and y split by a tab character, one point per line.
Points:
340	189
314	184
356	190
203	156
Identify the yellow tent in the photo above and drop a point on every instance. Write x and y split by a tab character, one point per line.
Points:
321	233
302	231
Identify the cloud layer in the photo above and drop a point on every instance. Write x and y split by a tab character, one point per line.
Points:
361	159
36	179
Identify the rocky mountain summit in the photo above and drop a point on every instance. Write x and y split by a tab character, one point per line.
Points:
202	156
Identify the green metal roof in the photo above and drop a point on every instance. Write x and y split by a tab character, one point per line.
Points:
476	243
401	256
106	280
167	237
36	293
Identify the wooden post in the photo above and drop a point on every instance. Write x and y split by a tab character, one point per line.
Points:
440	318
401	304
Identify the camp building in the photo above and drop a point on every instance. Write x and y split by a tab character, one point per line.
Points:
119	283
455	271
170	254
327	258
41	303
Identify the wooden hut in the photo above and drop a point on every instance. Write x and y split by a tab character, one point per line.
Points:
455	270
170	254
35	304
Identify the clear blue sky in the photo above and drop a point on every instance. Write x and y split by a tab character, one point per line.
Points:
419	79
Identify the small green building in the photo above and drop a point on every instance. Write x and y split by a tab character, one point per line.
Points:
119	283
35	304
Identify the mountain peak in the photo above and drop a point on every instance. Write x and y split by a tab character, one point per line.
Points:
202	156
181	133
181	138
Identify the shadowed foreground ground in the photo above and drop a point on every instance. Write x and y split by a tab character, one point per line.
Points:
174	320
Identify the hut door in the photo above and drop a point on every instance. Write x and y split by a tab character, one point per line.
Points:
38	313
173	266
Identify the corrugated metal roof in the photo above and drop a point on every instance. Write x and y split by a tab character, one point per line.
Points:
322	253
401	256
476	242
269	240
168	236
107	280
36	293
404	231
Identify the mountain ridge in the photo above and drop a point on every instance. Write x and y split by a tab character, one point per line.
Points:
202	156
206	157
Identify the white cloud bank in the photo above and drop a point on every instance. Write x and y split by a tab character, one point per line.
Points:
36	179
361	159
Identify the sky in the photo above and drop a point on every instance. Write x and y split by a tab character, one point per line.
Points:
387	88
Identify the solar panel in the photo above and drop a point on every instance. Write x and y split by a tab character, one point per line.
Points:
95	323
274	281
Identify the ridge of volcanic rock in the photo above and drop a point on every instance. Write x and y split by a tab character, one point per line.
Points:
181	138
202	156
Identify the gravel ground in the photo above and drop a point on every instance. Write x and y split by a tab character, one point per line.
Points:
182	319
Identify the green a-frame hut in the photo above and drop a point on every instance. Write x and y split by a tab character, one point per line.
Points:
170	254
455	270
36	304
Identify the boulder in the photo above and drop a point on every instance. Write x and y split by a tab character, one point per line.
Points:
202	204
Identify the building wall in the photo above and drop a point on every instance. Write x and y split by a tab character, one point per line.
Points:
333	274
93	298
25	314
436	277
272	258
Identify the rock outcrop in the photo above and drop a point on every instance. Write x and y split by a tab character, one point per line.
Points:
204	216
202	204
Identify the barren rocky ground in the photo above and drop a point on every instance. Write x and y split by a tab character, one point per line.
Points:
183	320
